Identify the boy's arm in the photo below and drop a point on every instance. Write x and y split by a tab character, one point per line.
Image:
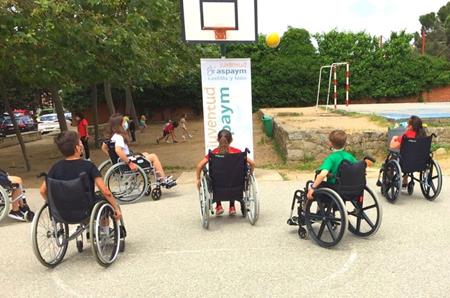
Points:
319	179
108	196
251	163
105	149
43	190
123	157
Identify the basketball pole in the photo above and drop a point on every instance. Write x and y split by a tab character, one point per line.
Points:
223	50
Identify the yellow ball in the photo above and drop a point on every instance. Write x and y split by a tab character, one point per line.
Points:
273	40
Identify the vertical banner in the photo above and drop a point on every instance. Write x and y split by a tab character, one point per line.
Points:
227	101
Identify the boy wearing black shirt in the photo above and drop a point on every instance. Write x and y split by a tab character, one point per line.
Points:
73	165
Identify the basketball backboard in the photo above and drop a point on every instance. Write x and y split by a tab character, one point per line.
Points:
219	21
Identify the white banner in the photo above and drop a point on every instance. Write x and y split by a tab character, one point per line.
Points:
227	101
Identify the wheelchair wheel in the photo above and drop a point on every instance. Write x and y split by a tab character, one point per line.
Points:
104	167
366	213
4	203
50	238
410	188
126	186
252	203
105	234
205	204
431	181
392	181
156	193
326	217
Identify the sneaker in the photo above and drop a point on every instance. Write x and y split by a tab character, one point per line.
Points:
175	142
167	141
232	210
17	215
24	209
219	210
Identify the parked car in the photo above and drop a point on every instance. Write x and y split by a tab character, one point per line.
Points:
49	123
7	127
30	124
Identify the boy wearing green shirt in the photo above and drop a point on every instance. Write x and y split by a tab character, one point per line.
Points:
331	163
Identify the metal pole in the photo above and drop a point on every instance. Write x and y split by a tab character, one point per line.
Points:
329	87
318	88
223	50
335	86
347	83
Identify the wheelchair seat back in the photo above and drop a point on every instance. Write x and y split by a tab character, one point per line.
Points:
227	173
4	181
112	151
351	179
415	154
70	201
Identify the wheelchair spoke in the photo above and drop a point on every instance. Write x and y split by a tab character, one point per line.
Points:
358	223
330	228
369	207
367	219
322	227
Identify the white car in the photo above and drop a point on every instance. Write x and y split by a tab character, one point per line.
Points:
49	123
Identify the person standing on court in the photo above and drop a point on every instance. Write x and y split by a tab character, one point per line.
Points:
82	126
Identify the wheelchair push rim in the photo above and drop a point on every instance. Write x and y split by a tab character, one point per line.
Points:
328	223
104	167
126	186
105	244
204	199
4	203
392	181
431	181
49	245
252	202
366	214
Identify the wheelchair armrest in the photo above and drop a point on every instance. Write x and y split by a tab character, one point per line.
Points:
42	174
369	158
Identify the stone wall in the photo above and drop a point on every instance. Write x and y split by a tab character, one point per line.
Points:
299	145
11	140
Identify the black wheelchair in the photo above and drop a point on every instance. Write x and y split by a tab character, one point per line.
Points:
127	185
6	190
71	203
228	177
414	156
349	202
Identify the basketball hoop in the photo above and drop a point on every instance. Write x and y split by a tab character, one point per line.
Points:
220	33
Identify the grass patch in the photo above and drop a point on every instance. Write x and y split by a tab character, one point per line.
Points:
436	146
178	168
380	120
279	151
284	176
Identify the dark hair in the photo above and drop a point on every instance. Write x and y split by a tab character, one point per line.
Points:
67	141
338	138
115	127
175	124
417	126
80	115
225	138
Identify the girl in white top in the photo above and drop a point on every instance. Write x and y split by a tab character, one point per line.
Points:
121	139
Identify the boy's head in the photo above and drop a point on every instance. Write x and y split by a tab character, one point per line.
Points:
338	138
69	144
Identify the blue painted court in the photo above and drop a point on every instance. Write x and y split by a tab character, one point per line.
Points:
402	111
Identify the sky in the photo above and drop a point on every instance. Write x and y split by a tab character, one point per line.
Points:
377	17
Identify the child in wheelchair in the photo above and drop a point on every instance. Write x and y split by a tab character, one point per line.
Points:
70	168
331	163
14	186
224	138
414	130
121	140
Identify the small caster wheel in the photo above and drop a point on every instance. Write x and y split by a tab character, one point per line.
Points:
147	193
80	245
122	245
302	233
410	188
156	194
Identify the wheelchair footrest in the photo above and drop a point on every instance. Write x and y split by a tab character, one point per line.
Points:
293	221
